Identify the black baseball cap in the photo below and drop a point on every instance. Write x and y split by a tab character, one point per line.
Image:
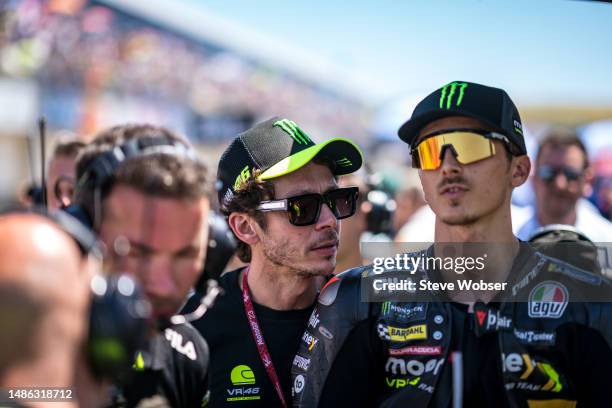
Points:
492	106
277	147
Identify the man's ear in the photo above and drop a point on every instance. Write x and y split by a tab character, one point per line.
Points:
520	168
242	225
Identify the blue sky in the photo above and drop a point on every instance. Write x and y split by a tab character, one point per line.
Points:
540	51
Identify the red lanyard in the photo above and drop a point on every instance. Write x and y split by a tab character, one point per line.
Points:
259	339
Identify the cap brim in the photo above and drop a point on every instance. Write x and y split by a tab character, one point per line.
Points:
409	131
343	153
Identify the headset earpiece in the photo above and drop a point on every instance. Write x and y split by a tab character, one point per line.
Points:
119	323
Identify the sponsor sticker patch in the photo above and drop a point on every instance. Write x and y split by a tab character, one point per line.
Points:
417	351
400	334
403	313
548	300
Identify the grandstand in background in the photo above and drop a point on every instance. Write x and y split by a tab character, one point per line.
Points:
89	64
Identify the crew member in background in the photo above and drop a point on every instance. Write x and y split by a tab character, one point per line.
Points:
44	303
349	251
61	173
561	180
145	193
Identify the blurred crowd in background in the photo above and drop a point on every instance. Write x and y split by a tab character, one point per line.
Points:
86	65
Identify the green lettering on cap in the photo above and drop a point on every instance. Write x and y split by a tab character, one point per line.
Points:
293	130
242	375
451	89
242	177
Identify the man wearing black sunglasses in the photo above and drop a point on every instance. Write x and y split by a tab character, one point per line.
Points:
538	343
561	179
278	190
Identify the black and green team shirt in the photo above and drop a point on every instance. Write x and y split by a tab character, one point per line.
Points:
171	371
237	377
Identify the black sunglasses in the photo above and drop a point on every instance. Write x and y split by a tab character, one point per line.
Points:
305	209
549	173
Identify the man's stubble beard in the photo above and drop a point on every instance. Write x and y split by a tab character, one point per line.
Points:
471	218
279	254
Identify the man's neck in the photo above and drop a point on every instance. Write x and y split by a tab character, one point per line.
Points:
499	244
281	289
545	218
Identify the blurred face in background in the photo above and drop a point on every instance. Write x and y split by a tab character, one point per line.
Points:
560	179
408	201
60	180
161	241
354	226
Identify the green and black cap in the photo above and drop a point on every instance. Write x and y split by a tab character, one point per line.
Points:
492	106
277	147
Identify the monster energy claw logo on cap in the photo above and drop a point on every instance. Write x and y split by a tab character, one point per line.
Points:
294	131
449	92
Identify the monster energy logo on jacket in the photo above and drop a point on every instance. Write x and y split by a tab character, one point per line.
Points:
449	92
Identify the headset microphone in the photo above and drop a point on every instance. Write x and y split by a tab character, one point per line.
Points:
213	290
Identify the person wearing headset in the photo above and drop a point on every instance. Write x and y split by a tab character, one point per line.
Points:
144	192
44	298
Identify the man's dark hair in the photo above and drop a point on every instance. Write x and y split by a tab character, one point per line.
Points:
68	148
562	138
245	199
157	174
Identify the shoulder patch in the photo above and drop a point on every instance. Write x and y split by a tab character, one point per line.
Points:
558	266
328	293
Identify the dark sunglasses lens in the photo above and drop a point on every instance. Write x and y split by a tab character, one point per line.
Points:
343	202
546	173
571	175
304	210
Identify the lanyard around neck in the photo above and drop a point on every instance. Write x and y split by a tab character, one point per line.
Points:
262	348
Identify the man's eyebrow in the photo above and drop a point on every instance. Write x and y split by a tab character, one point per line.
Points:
140	246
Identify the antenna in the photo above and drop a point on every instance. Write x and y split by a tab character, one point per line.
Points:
31	157
42	134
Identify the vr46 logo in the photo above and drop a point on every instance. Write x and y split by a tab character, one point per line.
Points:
242	376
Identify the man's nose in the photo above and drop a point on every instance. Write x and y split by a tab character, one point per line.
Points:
560	181
327	219
156	277
449	165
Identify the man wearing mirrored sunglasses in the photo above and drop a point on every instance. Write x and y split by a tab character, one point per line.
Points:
467	141
561	179
279	192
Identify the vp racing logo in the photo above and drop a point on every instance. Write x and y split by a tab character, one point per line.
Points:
242	377
452	93
548	300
